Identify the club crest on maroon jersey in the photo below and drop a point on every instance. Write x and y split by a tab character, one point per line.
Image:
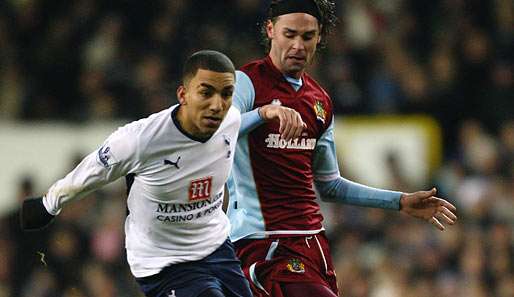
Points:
319	109
296	266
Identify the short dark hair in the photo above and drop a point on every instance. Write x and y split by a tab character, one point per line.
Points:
207	60
327	11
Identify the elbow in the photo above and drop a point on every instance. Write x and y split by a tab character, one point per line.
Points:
326	191
328	197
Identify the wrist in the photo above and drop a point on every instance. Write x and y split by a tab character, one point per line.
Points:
403	198
264	113
260	112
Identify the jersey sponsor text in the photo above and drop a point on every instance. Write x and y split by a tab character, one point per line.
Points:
189	211
275	141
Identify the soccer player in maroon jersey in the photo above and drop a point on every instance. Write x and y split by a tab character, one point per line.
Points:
285	146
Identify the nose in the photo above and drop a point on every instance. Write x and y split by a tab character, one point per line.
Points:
216	104
298	43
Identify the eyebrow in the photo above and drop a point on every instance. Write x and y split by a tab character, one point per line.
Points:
206	85
211	87
289	30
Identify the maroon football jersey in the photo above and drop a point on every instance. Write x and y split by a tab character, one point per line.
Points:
282	170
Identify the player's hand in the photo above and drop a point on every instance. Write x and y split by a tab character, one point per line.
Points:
424	205
33	215
291	123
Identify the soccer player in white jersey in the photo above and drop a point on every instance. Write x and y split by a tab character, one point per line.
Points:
177	161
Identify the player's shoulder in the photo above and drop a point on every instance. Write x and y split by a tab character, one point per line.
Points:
323	103
145	128
313	84
262	74
253	66
128	142
256	70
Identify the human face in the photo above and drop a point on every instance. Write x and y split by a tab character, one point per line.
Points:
205	99
294	38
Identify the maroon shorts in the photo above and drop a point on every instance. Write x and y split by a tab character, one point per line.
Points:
267	263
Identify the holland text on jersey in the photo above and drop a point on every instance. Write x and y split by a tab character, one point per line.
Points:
275	141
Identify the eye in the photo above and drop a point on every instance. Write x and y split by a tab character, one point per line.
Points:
227	94
205	93
289	34
308	36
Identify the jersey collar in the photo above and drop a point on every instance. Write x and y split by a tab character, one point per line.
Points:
179	127
279	77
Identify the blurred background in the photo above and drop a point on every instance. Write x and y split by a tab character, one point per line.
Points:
423	94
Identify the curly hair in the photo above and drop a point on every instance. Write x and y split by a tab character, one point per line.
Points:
327	9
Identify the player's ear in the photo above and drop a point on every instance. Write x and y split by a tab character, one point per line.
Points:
319	34
181	95
269	29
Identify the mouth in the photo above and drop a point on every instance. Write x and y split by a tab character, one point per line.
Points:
297	58
213	121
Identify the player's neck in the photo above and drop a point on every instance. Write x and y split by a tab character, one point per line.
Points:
185	125
294	75
278	65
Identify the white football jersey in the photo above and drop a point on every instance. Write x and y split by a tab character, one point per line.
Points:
175	200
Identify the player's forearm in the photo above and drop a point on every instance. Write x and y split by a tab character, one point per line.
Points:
249	121
348	192
38	212
88	176
67	190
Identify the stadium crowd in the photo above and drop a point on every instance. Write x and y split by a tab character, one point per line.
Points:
87	60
